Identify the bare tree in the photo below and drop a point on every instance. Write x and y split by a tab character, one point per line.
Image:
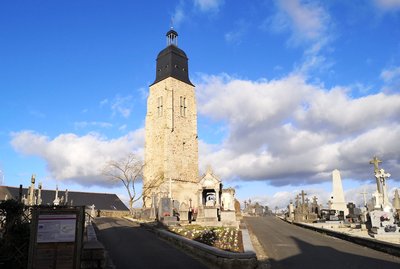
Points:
129	170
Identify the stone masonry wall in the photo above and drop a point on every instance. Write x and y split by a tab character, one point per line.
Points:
171	142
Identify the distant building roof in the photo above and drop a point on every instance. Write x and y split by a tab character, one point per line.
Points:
102	201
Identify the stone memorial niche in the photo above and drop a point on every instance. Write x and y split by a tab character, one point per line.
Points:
209	196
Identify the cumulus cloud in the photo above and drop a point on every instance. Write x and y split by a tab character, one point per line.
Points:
79	159
288	131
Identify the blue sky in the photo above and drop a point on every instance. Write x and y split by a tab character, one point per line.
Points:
287	90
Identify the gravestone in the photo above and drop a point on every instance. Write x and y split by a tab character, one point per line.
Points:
165	209
184	212
175	205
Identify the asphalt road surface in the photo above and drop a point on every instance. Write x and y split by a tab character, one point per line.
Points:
131	246
289	246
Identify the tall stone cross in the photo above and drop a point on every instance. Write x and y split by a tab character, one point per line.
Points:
315	200
297	200
302	196
381	177
364	193
375	161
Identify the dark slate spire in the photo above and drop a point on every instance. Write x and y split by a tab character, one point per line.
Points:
172	61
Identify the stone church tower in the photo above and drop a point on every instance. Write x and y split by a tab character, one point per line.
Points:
171	146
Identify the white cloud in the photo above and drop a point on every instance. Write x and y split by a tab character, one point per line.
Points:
388	75
289	131
236	35
104	102
208	5
309	25
84	124
123	127
388	5
391	78
307	22
179	14
80	159
122	106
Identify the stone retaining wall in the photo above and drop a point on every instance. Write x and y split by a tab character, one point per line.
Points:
113	213
393	249
93	253
223	259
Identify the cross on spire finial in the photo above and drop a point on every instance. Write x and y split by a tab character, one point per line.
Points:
375	161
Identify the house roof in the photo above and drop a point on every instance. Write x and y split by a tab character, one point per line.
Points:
102	201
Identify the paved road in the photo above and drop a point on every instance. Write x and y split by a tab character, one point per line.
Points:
131	246
289	246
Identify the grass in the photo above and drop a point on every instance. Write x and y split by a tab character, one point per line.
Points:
225	238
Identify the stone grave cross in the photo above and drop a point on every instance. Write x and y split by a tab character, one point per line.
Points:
381	176
302	196
297	200
364	193
375	161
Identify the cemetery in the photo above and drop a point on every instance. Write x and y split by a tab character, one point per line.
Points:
56	229
378	219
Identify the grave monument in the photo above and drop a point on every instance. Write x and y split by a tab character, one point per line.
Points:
337	199
382	221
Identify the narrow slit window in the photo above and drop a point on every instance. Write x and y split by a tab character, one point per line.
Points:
182	106
160	106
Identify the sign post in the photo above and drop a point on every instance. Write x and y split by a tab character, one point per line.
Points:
56	237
